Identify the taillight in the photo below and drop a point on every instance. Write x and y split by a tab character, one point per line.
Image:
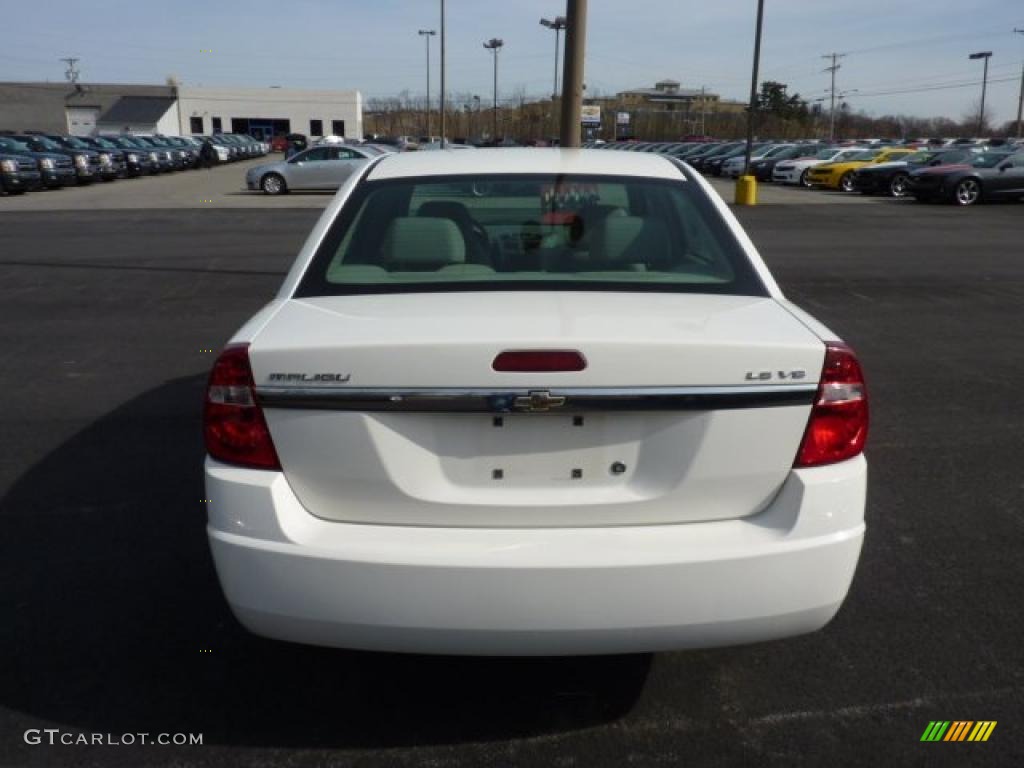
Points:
838	426
233	422
539	361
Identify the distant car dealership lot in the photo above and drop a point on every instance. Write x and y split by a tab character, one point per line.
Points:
224	187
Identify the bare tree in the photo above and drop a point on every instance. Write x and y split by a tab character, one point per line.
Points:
973	118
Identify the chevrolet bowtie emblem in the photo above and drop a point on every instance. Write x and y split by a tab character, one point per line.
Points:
538	400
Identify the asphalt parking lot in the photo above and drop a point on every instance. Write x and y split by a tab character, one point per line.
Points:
112	621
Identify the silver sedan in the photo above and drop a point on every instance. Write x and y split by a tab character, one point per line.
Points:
322	167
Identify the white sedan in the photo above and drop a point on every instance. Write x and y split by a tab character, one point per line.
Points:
533	401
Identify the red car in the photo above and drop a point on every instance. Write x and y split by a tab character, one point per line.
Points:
279	143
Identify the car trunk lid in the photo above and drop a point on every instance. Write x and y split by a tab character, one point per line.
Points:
387	408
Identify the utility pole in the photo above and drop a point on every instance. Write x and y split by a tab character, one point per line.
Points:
572	72
71	73
494	45
752	114
442	76
1020	99
832	91
427	34
985	55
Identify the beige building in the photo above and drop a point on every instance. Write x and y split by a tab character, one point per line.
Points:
667	95
666	111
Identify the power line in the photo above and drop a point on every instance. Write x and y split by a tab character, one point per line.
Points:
937	87
935	77
907	43
915	42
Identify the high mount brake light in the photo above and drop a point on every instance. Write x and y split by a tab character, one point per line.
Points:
539	361
233	424
838	426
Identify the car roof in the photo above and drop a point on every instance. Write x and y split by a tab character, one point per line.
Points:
525	161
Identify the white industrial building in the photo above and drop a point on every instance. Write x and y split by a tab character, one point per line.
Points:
265	112
86	109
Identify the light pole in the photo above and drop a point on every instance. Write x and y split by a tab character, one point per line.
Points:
443	69
494	45
1020	99
986	55
427	34
558	25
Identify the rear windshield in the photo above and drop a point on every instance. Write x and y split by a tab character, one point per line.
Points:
526	232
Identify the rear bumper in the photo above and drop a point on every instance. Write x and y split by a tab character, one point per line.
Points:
293	576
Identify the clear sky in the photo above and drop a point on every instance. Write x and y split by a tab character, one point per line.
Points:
902	56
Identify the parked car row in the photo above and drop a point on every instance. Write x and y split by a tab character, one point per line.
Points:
961	171
32	160
964	174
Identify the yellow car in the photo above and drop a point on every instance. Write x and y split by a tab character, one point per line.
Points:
840	175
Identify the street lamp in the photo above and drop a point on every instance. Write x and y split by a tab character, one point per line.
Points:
1020	99
427	34
986	55
494	45
558	25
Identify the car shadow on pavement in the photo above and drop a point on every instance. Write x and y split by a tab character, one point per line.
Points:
112	620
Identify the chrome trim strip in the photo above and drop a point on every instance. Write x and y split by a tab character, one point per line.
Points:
495	400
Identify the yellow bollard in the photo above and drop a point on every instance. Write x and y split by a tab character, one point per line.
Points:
746	190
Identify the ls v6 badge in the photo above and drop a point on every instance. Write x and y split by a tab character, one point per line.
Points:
794	375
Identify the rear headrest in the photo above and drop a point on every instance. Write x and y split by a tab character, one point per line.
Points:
630	240
445	209
423	242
